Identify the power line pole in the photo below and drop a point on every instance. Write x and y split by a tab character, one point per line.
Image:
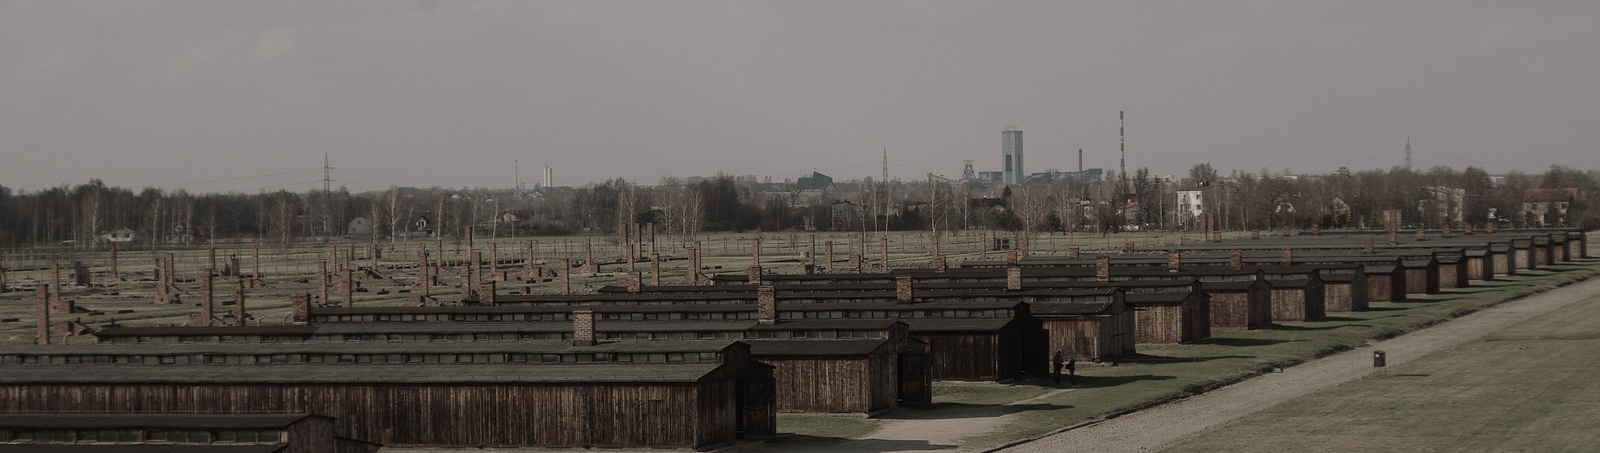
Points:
1408	153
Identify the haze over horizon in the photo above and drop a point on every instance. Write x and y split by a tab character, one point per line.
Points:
248	96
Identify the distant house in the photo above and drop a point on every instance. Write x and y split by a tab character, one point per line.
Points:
185	232
845	215
1547	207
122	236
358	226
817	181
1191	202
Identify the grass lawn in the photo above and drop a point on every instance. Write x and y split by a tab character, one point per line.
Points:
1162	372
1531	387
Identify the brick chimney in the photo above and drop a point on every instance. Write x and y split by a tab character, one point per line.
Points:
1216	236
1422	235
238	303
1011	257
486	292
755	253
884	249
1102	268
983	246
935	239
1466	229
940	264
766	305
902	289
43	315
1288	256
583	328
300	308
1366	247
855	262
1127	247
1177	240
1236	260
827	247
753	273
1394	238
1285	230
1489	227
694	264
1072	252
1174	260
635	280
1255	234
655	269
206	302
1445	232
1014	278
1024	242
566	276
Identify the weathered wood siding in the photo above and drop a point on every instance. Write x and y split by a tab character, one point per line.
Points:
1092	337
971	356
433	415
1240	310
1478	267
1386	287
1453	275
1169	323
827	385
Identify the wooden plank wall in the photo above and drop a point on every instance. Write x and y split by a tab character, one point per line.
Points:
964	356
426	415
1155	324
826	385
1231	311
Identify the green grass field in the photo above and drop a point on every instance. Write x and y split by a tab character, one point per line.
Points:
1532	387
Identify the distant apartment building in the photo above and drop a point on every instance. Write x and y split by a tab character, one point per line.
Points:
1011	153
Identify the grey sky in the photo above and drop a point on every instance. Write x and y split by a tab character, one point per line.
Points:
247	96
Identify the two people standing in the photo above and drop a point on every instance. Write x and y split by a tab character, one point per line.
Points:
1070	363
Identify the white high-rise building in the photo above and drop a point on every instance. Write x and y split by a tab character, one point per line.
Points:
1011	152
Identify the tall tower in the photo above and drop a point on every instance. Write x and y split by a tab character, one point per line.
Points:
1011	154
1408	153
1122	143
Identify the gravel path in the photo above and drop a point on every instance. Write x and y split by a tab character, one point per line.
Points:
1162	426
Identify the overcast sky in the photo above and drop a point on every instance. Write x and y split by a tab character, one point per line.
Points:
216	96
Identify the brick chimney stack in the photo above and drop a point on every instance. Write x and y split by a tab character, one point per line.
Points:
983	246
1011	257
486	292
1466	229
1216	236
940	264
566	276
1014	278
755	252
635	281
1422	235
1177	240
1127	247
902	289
753	274
583	328
300	308
1445	232
206	301
1489	227
1072	252
766	305
42	291
1366	246
238	303
1316	230
1255	234
1288	256
1394	238
1174	260
1285	230
1024	242
1102	268
1236	260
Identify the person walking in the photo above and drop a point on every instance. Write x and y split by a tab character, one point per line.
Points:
1072	368
1055	372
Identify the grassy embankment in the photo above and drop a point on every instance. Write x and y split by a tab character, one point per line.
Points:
1163	372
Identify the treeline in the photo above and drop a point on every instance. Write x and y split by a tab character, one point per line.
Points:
83	215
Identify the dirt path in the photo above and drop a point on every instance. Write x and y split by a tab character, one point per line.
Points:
1156	428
